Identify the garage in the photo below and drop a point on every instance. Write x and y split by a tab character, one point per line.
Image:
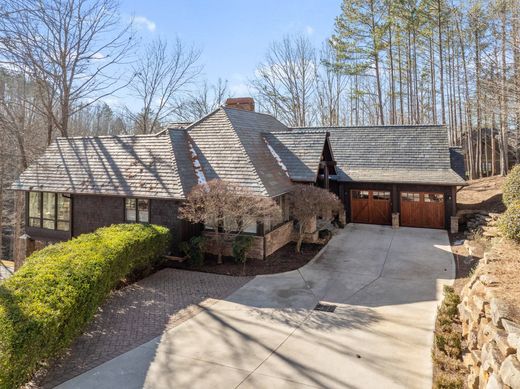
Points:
422	209
371	206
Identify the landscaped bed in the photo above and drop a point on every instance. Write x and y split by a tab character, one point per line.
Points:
285	259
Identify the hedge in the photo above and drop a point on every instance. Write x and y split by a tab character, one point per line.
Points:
48	302
509	222
511	187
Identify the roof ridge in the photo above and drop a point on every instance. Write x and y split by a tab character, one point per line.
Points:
372	126
245	110
110	136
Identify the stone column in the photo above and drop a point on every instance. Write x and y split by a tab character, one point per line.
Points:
454	224
26	248
395	220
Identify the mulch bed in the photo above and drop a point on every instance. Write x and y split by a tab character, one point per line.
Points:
285	259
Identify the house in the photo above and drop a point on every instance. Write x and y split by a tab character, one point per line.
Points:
405	175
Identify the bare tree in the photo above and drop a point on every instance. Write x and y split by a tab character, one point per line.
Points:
286	81
205	100
160	76
227	209
309	202
331	83
70	48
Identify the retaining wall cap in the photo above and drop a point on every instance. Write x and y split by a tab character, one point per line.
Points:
510	372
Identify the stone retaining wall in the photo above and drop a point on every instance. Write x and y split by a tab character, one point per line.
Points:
492	337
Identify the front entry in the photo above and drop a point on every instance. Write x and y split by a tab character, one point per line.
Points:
371	206
422	209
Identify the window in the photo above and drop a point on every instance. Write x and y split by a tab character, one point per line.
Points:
35	213
137	210
433	198
49	210
381	195
360	194
407	196
283	203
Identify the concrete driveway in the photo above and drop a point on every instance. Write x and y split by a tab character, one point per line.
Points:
386	285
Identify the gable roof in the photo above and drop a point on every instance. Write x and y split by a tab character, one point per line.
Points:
457	161
299	151
139	165
230	146
417	154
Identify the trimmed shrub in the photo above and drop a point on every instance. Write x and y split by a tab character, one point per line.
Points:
509	222
194	250
511	189
48	302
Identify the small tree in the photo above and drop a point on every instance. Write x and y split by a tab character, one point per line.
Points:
228	209
308	202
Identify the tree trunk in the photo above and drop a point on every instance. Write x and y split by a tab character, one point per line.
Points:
441	59
300	238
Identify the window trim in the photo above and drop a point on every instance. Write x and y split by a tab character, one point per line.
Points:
56	220
136	210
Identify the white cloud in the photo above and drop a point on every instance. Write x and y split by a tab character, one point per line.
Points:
98	55
309	30
239	89
144	22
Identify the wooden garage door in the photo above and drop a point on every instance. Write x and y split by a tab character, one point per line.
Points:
422	209
371	206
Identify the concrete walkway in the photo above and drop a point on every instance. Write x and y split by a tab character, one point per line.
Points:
386	285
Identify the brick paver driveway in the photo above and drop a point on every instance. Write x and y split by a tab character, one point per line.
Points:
138	313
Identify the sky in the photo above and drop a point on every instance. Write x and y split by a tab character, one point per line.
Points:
233	35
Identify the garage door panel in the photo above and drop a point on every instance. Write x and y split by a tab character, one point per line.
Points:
422	209
373	207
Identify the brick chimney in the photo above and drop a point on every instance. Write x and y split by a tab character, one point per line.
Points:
245	103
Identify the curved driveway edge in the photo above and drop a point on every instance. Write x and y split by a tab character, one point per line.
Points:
386	285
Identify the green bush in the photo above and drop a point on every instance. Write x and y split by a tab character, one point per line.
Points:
194	250
509	222
241	245
511	189
48	302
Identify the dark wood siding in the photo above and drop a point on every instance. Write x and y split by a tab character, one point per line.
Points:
165	213
90	212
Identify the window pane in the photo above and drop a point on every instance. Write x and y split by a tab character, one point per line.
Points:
433	198
49	210
34	206
251	229
63	208
381	195
143	210
34	221
407	196
360	194
130	205
63	226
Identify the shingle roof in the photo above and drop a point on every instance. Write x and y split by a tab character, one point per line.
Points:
300	152
230	146
401	154
457	161
144	166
